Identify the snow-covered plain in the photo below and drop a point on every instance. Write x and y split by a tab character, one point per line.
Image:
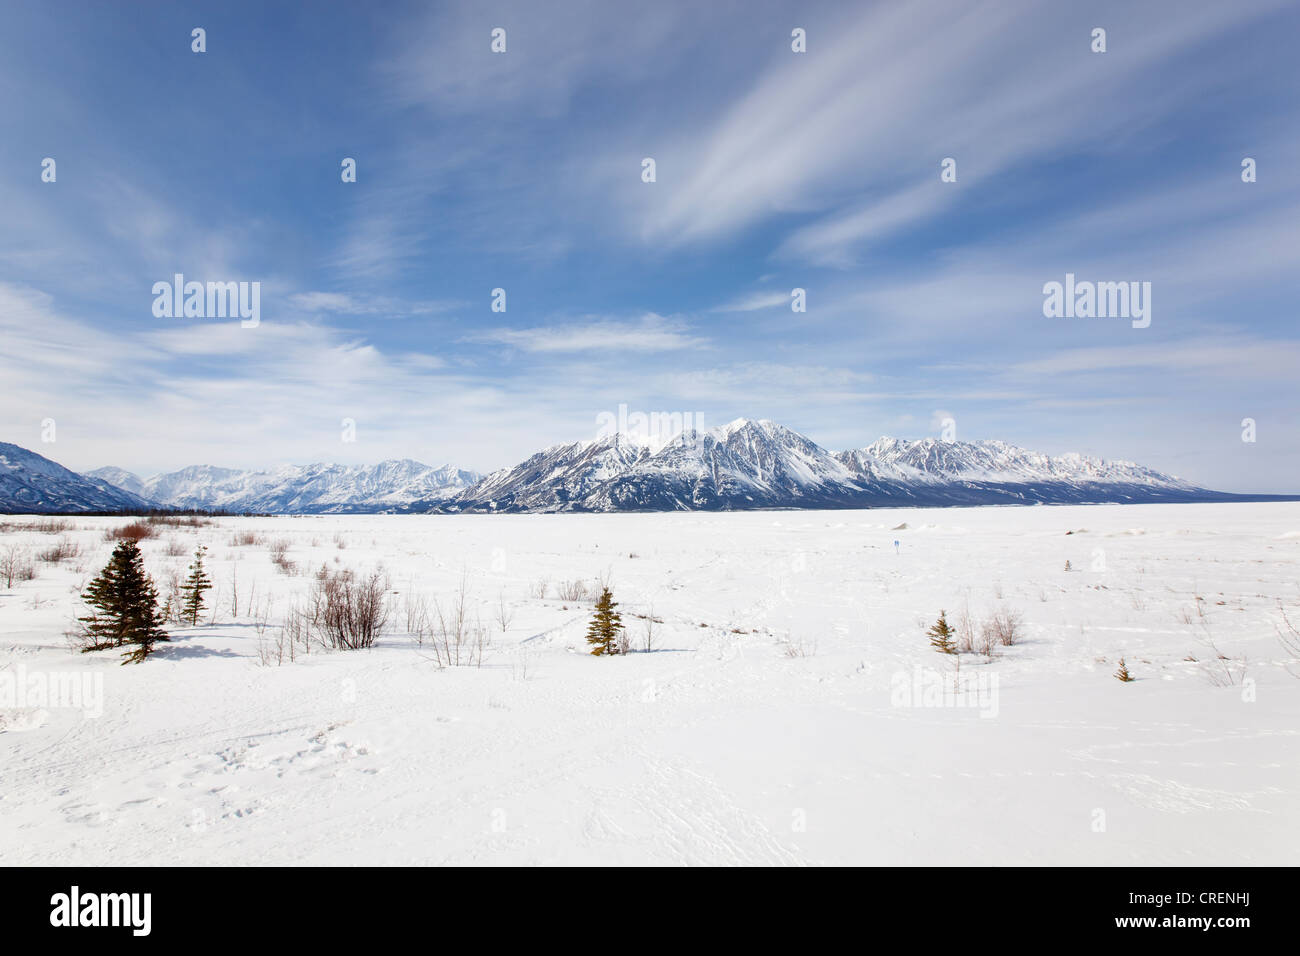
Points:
792	711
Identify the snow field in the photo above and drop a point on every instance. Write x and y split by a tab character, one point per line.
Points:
791	712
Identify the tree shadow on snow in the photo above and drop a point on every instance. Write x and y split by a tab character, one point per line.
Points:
175	651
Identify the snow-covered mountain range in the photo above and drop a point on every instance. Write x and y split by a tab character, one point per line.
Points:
32	483
760	464
297	489
746	464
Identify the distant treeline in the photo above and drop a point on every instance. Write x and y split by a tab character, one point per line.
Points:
143	513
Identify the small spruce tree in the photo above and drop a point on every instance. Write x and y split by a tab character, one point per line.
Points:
125	606
1122	674
941	635
606	625
195	584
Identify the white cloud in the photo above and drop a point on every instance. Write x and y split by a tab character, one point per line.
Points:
1234	357
756	302
862	124
341	303
650	333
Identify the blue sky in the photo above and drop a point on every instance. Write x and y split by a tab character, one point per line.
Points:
775	170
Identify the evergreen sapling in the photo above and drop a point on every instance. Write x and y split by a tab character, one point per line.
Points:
941	635
195	584
606	625
125	606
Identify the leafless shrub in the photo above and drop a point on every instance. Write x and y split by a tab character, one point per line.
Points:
1006	626
418	623
272	648
349	610
457	641
800	647
176	547
296	629
234	592
179	521
1220	670
1225	671
649	632
16	565
245	539
965	632
539	588
575	590
61	550
504	612
135	531
280	556
262	617
40	526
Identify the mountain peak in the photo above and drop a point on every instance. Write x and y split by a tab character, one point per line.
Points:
750	463
745	464
320	487
31	482
764	425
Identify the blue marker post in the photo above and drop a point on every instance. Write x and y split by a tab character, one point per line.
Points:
895	547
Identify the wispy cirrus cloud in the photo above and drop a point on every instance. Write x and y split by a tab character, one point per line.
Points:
1224	356
756	302
855	134
649	333
344	303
